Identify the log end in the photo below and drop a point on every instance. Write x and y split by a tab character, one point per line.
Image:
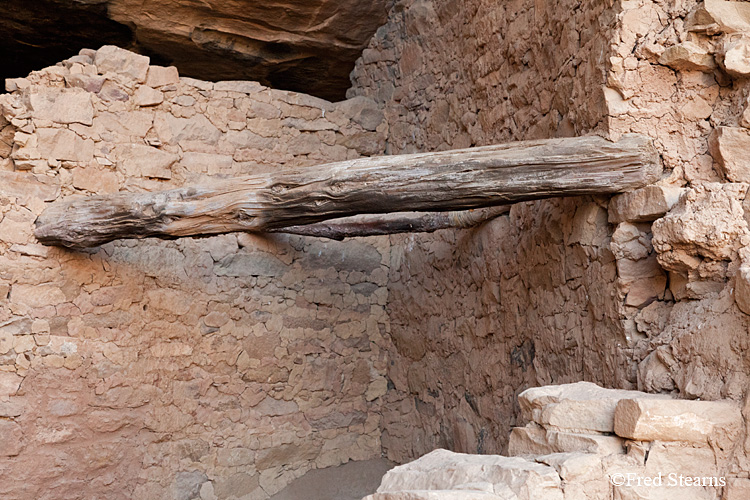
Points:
652	164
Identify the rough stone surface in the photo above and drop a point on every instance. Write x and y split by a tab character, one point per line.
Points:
729	146
223	367
736	56
688	421
742	289
306	46
688	56
647	301
122	62
444	330
645	204
654	468
61	106
445	470
720	16
580	406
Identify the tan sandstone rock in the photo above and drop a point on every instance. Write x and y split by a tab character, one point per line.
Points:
445	470
720	16
62	105
123	62
533	440
579	406
688	56
643	204
736	56
707	224
146	161
737	489
730	148
676	420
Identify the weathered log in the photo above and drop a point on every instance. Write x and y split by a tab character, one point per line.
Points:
360	226
442	181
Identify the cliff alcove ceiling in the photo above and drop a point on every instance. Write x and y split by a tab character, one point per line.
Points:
306	46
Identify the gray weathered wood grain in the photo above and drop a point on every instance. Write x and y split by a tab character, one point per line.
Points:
426	182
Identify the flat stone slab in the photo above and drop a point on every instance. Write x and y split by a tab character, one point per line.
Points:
582	406
533	440
676	420
488	474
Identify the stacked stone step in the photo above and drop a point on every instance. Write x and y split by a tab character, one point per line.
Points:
583	442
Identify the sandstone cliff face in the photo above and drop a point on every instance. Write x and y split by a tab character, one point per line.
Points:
307	46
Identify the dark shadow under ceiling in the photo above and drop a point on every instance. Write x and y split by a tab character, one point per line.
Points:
301	45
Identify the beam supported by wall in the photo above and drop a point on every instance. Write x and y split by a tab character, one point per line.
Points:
426	182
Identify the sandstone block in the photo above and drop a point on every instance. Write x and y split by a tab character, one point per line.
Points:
287	454
531	440
145	161
730	148
445	470
62	106
688	56
123	126
159	76
363	111
742	289
36	296
646	290
240	86
6	342
172	301
95	180
147	96
170	350
250	264
235	457
663	492
707	223
736	60
187	485
720	16
9	384
574	466
64	145
12	408
676	420
578	406
737	489
21	185
172	130
645	204
681	458
111	91
23	343
123	62
89	83
207	162
439	495
11	438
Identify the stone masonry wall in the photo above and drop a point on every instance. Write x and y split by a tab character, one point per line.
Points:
679	73
528	299
646	290
221	367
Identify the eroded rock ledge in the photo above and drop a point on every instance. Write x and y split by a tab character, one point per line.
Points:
307	46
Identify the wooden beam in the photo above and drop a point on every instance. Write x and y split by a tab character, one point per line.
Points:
379	225
425	182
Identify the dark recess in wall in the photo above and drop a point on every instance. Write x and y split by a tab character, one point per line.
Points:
35	34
